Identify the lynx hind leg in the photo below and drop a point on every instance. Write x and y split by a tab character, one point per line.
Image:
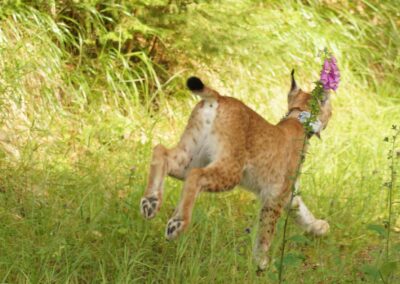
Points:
216	178
163	162
306	220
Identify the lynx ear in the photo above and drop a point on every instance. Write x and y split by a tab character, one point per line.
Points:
293	88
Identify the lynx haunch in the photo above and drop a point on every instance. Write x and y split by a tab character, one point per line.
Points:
225	144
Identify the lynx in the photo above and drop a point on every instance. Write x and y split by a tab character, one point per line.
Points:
225	144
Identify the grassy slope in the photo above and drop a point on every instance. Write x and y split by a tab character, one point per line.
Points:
69	137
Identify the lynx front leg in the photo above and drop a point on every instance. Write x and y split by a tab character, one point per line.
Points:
269	215
220	177
163	162
306	220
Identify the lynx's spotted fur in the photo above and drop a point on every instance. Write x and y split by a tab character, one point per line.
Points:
225	144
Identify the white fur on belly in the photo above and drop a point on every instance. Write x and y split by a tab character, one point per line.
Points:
206	148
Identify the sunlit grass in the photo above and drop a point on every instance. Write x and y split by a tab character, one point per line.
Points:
77	130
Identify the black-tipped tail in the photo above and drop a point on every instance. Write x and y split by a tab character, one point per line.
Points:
194	84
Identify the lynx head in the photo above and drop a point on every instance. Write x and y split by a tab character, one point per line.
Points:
300	101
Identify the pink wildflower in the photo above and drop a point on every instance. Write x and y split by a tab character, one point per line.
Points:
330	75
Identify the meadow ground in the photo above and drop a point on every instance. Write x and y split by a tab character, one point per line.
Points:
81	110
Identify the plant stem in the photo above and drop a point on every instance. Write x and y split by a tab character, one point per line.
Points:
293	194
390	193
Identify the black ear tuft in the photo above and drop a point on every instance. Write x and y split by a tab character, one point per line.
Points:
194	84
293	85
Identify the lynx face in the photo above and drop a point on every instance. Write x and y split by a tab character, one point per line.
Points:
299	100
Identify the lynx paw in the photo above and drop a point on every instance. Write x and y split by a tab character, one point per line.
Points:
149	206
261	258
262	264
174	227
318	228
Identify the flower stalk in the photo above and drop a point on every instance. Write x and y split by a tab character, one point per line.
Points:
391	185
329	80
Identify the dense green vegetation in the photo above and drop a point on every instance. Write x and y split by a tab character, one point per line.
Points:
89	87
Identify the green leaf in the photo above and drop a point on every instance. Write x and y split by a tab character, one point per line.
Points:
340	226
388	268
293	259
371	271
122	231
273	276
379	229
299	239
112	36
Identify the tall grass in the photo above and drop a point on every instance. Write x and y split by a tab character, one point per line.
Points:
88	87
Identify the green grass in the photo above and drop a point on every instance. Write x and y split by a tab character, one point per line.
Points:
83	102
